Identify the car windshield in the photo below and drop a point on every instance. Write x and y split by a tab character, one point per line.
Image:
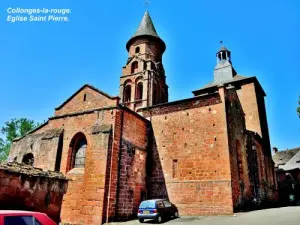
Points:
147	204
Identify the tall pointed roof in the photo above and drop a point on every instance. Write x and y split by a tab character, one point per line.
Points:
146	29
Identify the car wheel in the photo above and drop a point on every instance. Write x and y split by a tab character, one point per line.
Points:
159	219
176	215
141	220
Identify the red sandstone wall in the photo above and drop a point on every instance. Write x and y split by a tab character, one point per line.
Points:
247	96
132	167
94	100
252	101
85	195
127	166
241	190
25	192
43	146
192	156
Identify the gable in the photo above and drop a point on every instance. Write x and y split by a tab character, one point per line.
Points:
86	98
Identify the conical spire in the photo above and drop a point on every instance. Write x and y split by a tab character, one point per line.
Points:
146	28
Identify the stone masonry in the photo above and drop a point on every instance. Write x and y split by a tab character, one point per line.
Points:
208	154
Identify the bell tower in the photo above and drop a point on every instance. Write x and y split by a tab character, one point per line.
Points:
224	70
143	80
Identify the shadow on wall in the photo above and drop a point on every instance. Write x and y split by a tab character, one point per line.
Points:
105	212
156	185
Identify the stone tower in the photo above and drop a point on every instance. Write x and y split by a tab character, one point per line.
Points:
224	70
143	80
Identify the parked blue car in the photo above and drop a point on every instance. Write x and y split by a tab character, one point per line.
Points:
158	209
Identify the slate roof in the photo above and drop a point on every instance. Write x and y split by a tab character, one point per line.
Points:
293	163
281	158
146	28
236	78
20	168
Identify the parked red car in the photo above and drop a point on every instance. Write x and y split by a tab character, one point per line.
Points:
12	217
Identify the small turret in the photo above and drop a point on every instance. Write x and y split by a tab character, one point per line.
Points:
224	70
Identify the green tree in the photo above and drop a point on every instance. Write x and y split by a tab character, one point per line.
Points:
13	129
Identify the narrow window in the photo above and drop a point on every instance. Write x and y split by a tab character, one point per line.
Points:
127	93
59	153
134	67
137	50
174	172
84	97
139	91
79	161
77	151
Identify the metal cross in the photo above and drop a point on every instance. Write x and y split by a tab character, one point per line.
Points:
221	42
147	2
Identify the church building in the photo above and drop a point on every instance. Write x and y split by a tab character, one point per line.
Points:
208	154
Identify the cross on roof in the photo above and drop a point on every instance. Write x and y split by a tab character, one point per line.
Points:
147	2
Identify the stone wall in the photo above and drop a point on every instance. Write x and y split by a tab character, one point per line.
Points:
190	159
127	187
132	166
45	147
24	187
241	190
86	98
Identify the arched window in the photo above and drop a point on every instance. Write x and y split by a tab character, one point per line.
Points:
139	91
127	93
78	147
79	161
28	159
137	50
134	67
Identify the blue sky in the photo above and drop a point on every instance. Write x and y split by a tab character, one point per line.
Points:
42	64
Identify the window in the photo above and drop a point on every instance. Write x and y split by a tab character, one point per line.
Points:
139	91
174	172
160	204
77	151
80	154
167	204
127	93
36	222
137	50
20	220
134	67
28	159
84	97
147	204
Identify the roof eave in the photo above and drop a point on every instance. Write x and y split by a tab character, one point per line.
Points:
132	39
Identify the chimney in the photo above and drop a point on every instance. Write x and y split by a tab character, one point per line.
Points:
275	150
